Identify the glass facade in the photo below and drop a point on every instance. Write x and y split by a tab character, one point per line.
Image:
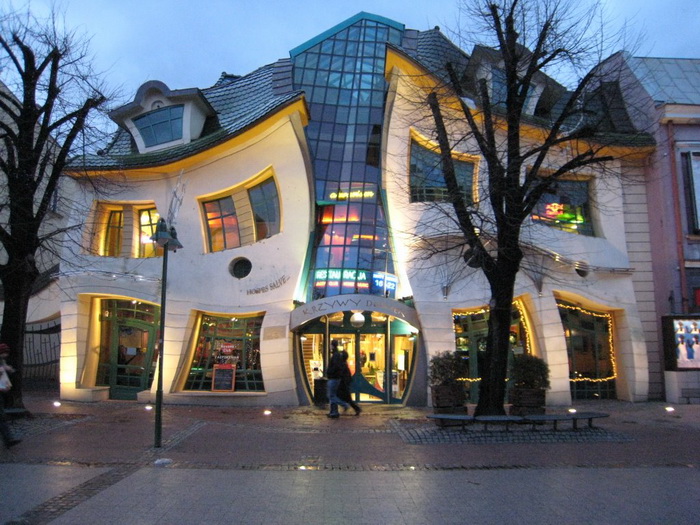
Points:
342	74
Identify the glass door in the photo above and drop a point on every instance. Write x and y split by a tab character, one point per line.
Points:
127	351
128	361
367	362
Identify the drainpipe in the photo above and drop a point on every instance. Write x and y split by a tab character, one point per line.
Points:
680	251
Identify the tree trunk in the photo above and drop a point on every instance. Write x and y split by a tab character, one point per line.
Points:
492	389
17	288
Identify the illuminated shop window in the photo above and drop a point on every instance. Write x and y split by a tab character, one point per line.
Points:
427	181
161	125
566	206
222	224
690	163
266	209
227	341
589	344
471	331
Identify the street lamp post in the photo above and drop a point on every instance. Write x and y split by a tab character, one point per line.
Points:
167	239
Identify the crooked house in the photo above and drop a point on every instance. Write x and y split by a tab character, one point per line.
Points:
302	194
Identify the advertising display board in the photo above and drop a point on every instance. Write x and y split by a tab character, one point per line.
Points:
681	335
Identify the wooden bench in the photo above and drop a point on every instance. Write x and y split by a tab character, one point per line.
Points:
463	419
689	393
507	420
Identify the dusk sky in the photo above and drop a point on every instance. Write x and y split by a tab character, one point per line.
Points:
188	44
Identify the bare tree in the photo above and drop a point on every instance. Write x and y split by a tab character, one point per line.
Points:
524	153
49	96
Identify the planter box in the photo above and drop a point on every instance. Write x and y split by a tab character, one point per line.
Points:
527	401
449	399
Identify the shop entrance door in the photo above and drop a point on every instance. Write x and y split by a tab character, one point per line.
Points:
367	362
132	360
380	355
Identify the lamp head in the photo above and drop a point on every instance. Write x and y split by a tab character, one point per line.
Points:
162	235
173	244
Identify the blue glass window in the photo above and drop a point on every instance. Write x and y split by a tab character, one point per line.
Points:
266	209
426	178
349	102
160	126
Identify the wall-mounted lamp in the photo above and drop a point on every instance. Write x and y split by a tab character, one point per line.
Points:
357	320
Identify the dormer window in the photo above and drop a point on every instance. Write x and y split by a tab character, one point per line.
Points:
499	91
160	118
161	125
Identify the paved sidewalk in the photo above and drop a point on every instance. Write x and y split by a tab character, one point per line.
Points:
95	463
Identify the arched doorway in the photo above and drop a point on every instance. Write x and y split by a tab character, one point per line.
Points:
381	345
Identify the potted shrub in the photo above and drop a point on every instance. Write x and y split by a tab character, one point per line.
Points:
530	378
446	376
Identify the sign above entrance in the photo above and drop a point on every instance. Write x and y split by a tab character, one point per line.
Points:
341	303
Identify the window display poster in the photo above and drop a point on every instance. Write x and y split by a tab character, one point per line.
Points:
681	342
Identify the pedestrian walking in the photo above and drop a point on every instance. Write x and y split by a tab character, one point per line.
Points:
334	373
5	386
344	387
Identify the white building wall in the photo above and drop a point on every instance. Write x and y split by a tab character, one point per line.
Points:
199	281
607	287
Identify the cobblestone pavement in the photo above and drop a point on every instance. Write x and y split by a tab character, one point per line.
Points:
76	458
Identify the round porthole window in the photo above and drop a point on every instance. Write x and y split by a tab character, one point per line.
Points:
240	267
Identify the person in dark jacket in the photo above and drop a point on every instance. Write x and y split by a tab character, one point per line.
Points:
7	437
334	373
344	387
